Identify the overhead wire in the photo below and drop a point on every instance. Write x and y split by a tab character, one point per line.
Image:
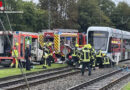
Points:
21	66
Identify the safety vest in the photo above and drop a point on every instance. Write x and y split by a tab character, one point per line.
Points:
75	52
15	53
106	61
46	53
99	54
86	55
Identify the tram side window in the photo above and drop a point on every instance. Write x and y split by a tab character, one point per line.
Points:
80	39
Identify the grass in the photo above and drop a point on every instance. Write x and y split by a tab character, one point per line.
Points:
15	71
126	87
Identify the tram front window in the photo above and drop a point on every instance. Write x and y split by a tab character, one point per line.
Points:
98	39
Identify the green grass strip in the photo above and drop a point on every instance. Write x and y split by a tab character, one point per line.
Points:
15	71
126	87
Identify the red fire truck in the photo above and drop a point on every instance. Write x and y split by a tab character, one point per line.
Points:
22	38
63	39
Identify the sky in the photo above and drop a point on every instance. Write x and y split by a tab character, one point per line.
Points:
116	1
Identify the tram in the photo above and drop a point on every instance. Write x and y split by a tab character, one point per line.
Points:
114	43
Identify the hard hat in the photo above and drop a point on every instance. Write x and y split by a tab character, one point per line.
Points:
16	44
103	54
89	46
86	46
50	44
76	45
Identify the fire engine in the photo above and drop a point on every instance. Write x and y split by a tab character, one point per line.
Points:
22	38
63	40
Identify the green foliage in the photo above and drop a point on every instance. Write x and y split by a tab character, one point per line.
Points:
73	14
64	13
33	18
90	14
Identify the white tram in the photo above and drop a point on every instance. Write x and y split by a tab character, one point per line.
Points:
109	40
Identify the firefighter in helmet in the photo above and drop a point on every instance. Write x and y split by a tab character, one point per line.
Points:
106	61
99	59
76	55
85	57
93	58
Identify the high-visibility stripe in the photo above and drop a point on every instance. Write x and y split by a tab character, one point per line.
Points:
41	40
57	43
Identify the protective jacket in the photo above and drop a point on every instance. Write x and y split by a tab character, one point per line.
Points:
85	56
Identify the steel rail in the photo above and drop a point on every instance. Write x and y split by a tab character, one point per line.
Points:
35	80
110	85
82	85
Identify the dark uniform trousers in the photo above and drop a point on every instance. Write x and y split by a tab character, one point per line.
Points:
27	55
84	65
28	64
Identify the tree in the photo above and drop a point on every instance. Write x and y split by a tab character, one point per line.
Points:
121	16
33	18
107	6
63	13
90	14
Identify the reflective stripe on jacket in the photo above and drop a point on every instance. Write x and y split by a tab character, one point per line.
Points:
86	55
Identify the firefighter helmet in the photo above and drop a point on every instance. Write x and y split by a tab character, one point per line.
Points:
16	44
50	44
89	46
86	46
76	45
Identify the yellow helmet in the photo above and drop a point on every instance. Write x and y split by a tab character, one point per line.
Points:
103	54
76	45
16	44
86	46
89	46
50	44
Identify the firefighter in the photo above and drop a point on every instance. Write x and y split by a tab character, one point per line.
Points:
106	61
50	54
93	58
75	55
28	57
15	56
85	57
99	59
47	55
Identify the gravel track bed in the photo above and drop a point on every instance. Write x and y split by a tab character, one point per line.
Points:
101	83
32	75
120	84
69	81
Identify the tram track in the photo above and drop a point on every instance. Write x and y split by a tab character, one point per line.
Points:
102	82
36	79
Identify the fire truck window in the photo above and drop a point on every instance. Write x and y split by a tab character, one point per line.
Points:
68	40
114	46
22	40
7	48
62	41
49	39
80	39
73	41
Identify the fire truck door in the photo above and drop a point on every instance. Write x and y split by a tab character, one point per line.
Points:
28	40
